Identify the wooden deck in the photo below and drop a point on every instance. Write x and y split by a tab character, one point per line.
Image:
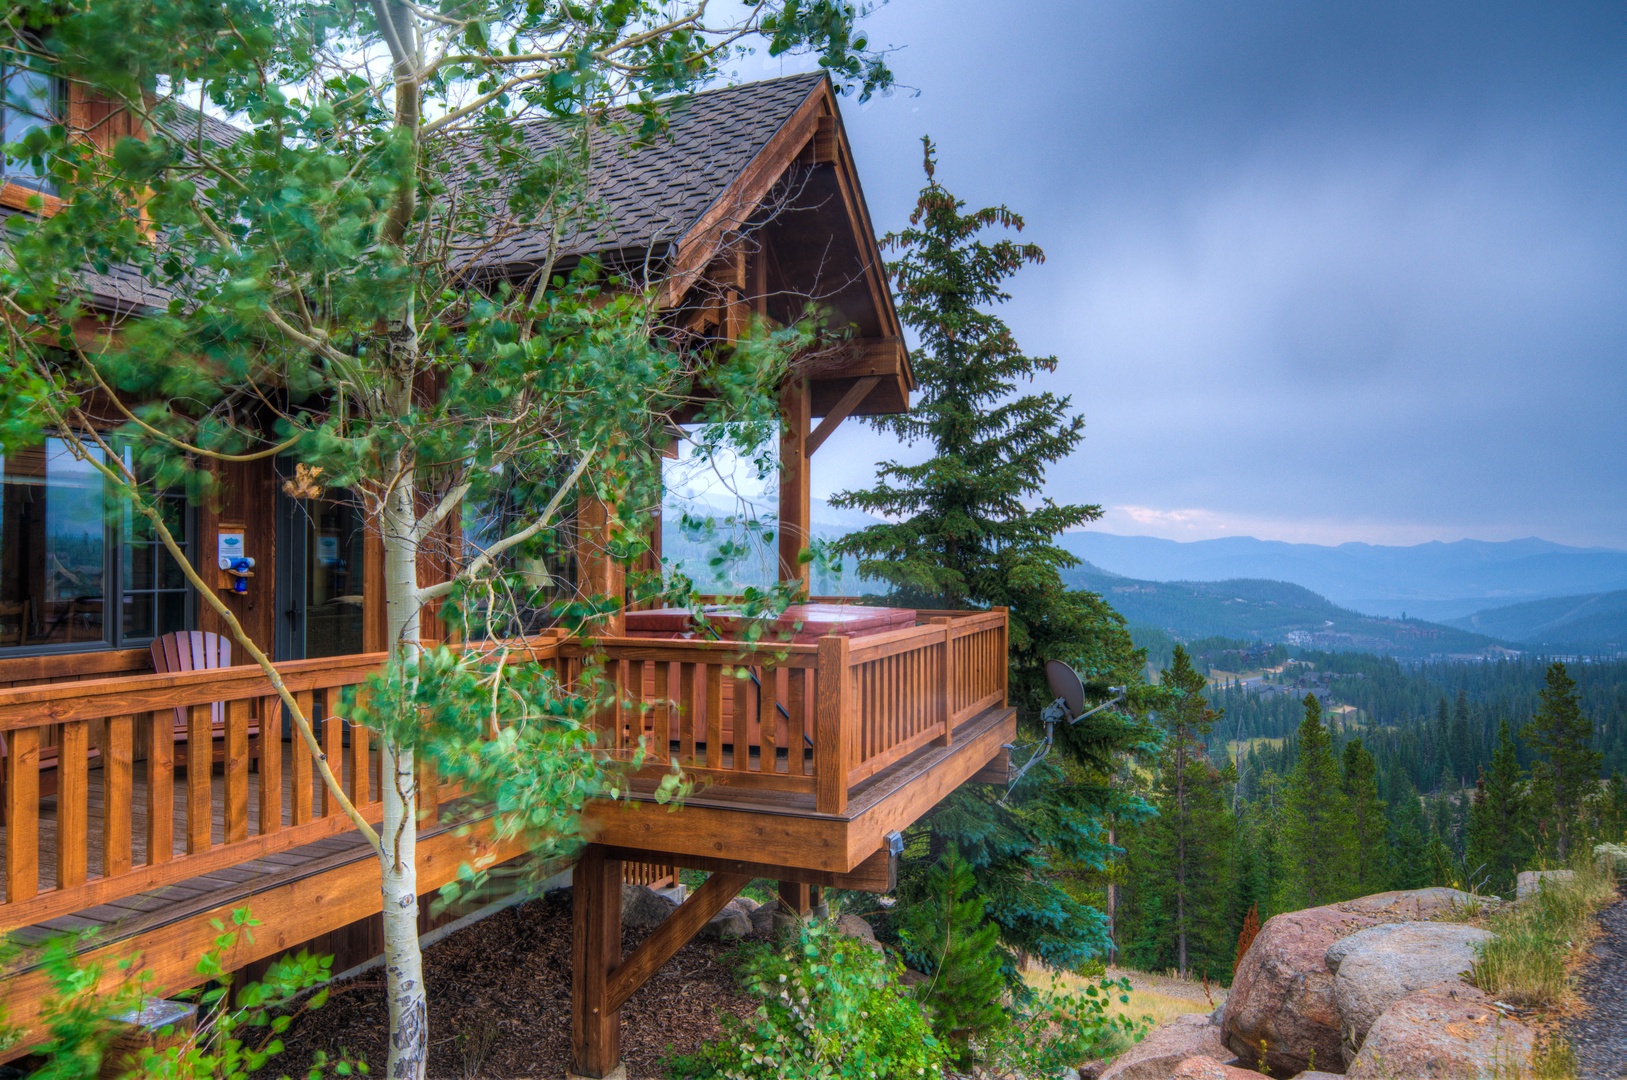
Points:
805	757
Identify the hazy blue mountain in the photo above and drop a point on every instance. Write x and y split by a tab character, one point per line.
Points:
1436	581
1594	623
1271	611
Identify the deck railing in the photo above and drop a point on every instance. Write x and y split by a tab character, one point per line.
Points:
102	802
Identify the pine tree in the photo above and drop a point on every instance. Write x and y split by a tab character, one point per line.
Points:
1369	826
1462	750
968	527
1410	844
1564	737
1499	844
946	930
1316	835
1177	901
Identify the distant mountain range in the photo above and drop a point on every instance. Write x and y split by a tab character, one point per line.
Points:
1437	581
1251	609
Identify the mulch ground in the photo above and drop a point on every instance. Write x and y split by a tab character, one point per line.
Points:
499	1002
1598	1033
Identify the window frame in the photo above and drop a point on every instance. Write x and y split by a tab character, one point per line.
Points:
113	638
56	94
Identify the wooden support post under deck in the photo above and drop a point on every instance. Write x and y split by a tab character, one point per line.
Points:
796	400
595	953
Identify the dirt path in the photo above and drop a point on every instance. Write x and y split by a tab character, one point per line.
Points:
1599	1035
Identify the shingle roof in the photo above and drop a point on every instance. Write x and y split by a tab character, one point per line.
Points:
653	194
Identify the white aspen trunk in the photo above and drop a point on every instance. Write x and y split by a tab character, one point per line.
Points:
398	852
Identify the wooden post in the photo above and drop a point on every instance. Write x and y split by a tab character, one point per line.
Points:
832	726
945	694
597	573
797	897
796	400
595	954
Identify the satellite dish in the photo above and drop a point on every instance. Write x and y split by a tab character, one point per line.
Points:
1066	685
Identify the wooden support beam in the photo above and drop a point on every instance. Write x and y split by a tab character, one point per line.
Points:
795	494
797	897
877	874
595	953
997	771
672	935
844	407
597	573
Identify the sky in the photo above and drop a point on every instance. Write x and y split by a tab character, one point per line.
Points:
1316	272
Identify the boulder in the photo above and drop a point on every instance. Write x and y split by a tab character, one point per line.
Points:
1415	903
1207	1068
730	924
1374	968
1166	1046
644	909
1446	1030
1612	855
1529	882
744	903
762	921
1281	1005
1318	1074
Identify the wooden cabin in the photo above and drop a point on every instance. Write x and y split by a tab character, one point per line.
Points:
148	791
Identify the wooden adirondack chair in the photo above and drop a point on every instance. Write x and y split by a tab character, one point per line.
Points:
197	650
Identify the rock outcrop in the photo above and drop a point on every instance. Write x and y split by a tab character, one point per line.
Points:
1448	1030
1166	1047
1612	855
1430	903
1280	1010
1529	882
1374	968
1207	1068
643	908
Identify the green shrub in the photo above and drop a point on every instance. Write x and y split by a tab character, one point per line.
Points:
1525	963
947	935
1055	1030
831	1008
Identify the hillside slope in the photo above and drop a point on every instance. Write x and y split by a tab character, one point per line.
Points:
1596	622
1271	611
1435	581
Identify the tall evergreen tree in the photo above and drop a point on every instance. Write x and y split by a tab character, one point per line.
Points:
1316	835
1177	904
1564	737
1410	843
1369	825
1499	844
968	527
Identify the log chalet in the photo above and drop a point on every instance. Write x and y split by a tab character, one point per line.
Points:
150	786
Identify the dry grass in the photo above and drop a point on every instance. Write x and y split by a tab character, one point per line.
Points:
1158	997
1537	939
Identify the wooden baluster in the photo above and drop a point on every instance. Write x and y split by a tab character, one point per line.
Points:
200	760
429	789
333	748
662	714
637	719
118	804
742	731
73	804
22	814
796	703
832	730
237	770
686	715
361	762
270	765
160	787
300	774
714	716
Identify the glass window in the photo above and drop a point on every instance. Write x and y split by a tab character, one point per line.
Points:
30	101
61	558
53	548
334	577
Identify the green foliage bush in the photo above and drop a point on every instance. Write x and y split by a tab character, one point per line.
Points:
1055	1030
831	1008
